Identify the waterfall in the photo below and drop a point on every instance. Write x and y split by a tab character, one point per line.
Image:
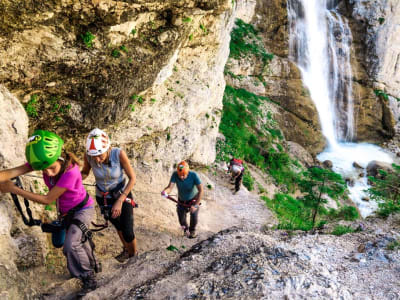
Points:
320	45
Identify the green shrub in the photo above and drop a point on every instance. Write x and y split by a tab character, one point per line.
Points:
348	213
248	181
87	39
32	106
245	41
340	230
393	245
291	213
386	191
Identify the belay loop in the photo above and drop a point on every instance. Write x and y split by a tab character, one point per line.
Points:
30	221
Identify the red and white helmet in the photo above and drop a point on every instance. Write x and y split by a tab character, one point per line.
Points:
97	142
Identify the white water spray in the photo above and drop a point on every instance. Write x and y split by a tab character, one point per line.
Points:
320	43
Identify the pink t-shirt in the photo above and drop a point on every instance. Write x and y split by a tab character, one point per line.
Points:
75	193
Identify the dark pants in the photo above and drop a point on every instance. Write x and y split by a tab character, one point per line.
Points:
182	212
124	222
238	181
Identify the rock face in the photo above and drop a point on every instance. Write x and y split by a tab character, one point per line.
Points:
374	26
280	80
78	65
248	264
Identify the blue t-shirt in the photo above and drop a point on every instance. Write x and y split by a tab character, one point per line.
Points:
187	189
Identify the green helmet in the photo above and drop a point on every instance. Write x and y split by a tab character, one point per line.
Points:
43	149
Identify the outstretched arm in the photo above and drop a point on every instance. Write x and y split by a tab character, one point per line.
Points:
14	172
9	187
169	188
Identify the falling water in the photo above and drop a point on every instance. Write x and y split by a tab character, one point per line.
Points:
320	44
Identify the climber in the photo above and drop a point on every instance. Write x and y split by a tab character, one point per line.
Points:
190	191
236	169
113	194
44	151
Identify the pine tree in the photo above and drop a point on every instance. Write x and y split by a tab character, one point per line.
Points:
317	182
385	190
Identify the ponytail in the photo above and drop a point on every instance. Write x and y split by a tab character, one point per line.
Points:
66	159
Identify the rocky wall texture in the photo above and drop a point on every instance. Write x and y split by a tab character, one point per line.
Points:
83	64
374	26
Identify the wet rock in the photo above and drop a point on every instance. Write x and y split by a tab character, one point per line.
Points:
357	166
374	166
365	198
327	164
350	182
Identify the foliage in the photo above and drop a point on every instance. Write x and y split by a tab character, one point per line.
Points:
340	230
348	213
133	31
245	41
246	138
172	248
115	53
382	94
386	191
317	182
204	29
31	106
87	39
393	245
381	20
187	20
291	213
248	181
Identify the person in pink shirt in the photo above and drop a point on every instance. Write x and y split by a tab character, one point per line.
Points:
61	174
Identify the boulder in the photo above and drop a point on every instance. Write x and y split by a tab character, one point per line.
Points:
374	166
301	154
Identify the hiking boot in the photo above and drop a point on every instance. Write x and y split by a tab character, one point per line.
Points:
123	256
89	284
192	235
185	231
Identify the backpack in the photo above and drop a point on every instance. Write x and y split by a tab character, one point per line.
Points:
237	162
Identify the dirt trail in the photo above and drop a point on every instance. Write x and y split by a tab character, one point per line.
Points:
157	227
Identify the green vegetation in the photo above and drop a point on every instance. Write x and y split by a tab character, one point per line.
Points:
191	37
172	248
386	191
87	39
382	94
250	141
204	29
308	211
395	245
137	98
381	20
123	48
317	182
248	181
209	186
133	31
245	41
187	20
291	213
115	53
32	106
340	230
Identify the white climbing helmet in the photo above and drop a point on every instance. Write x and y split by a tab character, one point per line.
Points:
97	142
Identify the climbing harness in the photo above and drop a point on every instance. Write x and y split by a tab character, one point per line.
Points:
106	208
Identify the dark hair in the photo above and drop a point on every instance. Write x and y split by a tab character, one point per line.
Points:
66	159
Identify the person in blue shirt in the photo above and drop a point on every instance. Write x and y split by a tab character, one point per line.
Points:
190	191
